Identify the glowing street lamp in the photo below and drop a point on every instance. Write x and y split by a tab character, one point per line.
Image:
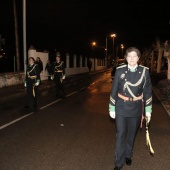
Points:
93	44
106	54
113	36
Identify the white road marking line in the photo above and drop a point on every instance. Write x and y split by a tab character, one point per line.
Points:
72	93
16	120
50	104
83	88
20	118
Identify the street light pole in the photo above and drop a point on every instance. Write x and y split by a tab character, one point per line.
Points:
122	47
93	45
113	36
106	54
24	35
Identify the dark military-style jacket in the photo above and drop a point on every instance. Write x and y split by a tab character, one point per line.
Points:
59	68
32	74
132	85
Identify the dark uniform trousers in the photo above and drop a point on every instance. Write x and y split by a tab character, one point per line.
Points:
125	135
59	85
59	72
30	96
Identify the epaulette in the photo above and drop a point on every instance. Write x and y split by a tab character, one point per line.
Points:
124	65
144	66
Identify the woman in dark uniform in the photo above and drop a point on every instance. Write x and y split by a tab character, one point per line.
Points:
32	81
131	94
59	76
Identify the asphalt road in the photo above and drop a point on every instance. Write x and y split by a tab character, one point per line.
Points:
76	133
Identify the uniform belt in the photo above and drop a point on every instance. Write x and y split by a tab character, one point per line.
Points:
32	77
58	71
130	98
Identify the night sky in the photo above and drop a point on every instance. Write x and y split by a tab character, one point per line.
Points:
70	26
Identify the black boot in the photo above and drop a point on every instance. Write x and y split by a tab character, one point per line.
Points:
35	108
128	161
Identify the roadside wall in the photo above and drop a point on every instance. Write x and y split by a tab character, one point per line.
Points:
7	79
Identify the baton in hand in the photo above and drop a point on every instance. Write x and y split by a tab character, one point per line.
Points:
148	142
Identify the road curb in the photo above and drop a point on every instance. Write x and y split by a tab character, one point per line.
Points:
163	101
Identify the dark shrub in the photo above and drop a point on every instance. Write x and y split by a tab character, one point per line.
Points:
157	77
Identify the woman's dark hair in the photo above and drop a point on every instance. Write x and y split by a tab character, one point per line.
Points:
31	58
130	49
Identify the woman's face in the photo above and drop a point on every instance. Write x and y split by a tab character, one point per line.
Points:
132	58
31	61
58	59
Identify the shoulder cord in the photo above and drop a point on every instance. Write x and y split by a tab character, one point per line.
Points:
58	65
31	71
127	84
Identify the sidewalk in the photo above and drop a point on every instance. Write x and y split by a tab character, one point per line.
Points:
165	103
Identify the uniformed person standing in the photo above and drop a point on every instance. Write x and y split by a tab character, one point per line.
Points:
59	76
40	65
131	95
32	81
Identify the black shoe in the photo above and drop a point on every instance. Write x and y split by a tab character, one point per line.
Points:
63	96
117	168
128	161
35	109
34	105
